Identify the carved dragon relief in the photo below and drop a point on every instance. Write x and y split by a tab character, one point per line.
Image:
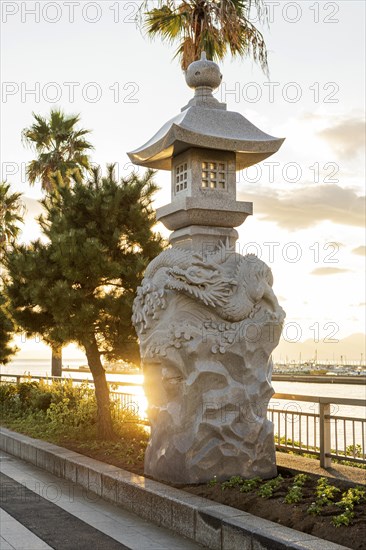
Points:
234	287
193	315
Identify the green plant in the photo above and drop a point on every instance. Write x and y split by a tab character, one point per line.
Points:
315	509
8	394
25	391
294	495
267	490
353	496
245	485
300	480
234	481
250	484
325	495
42	400
212	482
343	519
354	450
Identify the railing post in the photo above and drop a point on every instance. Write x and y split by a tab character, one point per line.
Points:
324	434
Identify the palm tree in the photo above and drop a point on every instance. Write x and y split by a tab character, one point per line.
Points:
10	216
61	150
61	158
213	26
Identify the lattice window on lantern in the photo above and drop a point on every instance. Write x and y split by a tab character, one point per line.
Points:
214	175
181	177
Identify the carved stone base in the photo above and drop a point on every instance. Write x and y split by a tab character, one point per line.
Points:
207	328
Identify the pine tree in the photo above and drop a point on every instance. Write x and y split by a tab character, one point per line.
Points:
6	333
100	242
28	292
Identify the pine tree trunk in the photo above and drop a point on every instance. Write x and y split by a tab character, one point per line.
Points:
104	418
56	361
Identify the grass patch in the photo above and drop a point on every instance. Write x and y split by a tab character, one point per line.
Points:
65	414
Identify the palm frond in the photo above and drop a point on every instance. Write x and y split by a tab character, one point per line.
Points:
214	26
61	150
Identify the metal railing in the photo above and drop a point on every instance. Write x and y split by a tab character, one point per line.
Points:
320	433
18	378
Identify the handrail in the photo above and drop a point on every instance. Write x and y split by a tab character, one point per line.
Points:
321	399
283	396
78	380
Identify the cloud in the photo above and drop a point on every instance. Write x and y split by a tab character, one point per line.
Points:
329	271
305	206
346	138
360	251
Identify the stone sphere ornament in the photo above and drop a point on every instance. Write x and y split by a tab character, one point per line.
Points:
203	73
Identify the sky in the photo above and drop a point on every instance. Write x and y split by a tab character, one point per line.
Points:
90	58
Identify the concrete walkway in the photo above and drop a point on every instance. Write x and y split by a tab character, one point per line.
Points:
66	516
312	466
41	511
14	536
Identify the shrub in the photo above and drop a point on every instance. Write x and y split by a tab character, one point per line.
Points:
8	397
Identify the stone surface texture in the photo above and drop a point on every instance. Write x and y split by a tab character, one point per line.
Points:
206	317
207	325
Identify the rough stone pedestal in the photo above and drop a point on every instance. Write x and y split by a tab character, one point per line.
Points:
207	325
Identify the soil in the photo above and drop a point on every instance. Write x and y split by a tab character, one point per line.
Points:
273	509
294	515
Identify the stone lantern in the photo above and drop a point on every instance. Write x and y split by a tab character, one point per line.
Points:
207	317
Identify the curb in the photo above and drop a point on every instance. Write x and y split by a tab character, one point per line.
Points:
215	526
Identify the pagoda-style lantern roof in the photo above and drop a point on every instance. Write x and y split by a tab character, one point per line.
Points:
203	147
206	123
